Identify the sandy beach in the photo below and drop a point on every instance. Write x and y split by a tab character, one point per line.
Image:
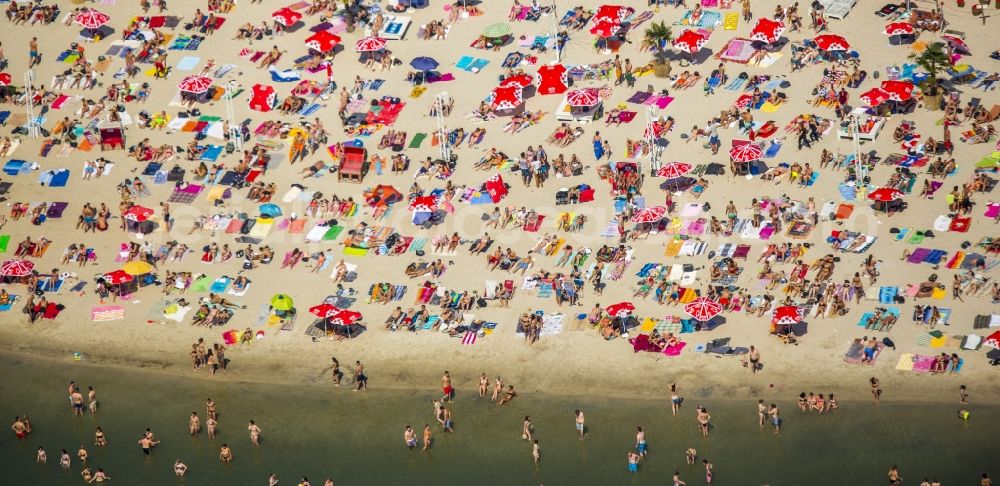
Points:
574	360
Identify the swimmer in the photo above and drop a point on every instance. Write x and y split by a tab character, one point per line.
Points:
964	415
82	454
180	468
64	459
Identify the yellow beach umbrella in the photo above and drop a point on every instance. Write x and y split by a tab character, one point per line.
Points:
137	268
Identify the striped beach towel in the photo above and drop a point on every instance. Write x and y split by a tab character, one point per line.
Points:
469	338
107	313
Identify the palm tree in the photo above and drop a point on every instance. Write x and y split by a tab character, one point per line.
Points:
934	59
657	36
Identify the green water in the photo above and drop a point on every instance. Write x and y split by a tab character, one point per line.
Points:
356	438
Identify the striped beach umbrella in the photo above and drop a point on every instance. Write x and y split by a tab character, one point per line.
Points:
703	309
91	19
672	170
195	84
16	268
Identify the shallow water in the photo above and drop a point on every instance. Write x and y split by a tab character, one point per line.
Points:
356	438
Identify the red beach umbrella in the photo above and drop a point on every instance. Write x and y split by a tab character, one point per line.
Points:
324	310
91	19
955	41
604	29
767	30
262	97
117	277
424	204
506	98
993	340
885	194
832	42
898	28
138	214
746	153
786	314
5	79
703	309
690	41
16	268
496	187
898	90
673	170
583	97
286	16
322	41
551	79
521	81
620	309
345	317
614	14
195	84
743	101
874	96
651	214
369	44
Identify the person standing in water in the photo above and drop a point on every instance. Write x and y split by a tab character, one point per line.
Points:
497	388
272	480
41	457
446	387
708	471
20	431
210	409
82	454
580	423
180	468
484	384
677	479
675	399
894	477
64	459
254	434
427	436
963	396
640	441
225	454
77	399
92	399
194	424
337	374
690	455
703	418
448	424
761	412
536	452
775	418
409	437
633	461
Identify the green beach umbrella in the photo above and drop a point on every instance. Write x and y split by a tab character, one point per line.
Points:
282	302
496	30
988	163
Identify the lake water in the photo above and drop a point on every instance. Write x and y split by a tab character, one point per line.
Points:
356	438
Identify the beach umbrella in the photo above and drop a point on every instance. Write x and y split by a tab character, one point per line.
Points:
654	129
270	210
614	14
282	302
286	16
91	19
262	97
496	187
324	310
898	28
993	340
703	309
138	214
423	63
521	80
672	170
423	204
604	29
885	194
369	44
898	90
767	30
786	314
322	41
690	41
16	268
137	267
583	97
650	214
5	79
745	153
831	42
621	309
677	184
955	41
195	84
117	277
552	79
506	98
497	30
345	317
874	96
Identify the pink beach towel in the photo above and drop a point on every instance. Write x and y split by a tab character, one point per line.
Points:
992	210
674	350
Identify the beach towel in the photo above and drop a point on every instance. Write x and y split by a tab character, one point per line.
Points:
107	313
202	284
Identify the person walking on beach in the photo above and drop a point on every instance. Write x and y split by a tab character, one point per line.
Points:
579	423
754	359
675	399
640	441
409	437
876	391
254	434
336	373
359	376
34	57
446	387
633	461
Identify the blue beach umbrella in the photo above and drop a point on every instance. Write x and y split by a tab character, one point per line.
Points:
270	210
423	63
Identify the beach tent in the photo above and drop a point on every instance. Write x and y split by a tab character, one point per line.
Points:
496	187
520	80
382	195
585	97
262	97
899	28
746	152
551	79
605	29
786	315
614	14
91	19
898	90
269	210
117	277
